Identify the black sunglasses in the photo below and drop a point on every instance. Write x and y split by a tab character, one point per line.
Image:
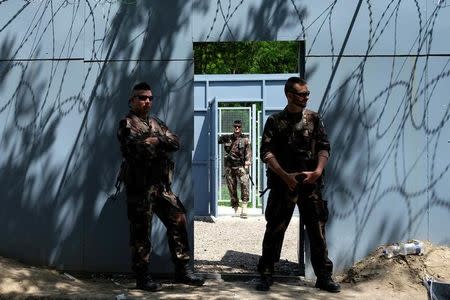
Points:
143	98
237	126
302	94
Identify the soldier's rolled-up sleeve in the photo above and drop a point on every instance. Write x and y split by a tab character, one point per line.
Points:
223	139
322	142
267	142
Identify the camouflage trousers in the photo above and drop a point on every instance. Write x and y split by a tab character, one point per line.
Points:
313	210
141	205
232	176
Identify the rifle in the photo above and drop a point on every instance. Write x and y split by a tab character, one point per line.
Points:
250	177
119	181
296	191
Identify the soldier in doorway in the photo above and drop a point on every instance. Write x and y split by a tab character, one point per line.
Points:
238	158
295	148
146	144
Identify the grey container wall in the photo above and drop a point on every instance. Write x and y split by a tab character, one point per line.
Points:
66	68
384	101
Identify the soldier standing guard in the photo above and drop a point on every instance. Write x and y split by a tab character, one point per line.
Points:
146	144
238	158
295	148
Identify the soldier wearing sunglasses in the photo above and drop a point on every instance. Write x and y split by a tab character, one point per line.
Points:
146	144
295	148
238	157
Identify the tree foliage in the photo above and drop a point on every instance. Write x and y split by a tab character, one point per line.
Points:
246	57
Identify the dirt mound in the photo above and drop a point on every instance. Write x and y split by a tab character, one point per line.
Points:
375	277
401	272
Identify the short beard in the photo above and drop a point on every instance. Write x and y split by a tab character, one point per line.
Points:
141	111
301	105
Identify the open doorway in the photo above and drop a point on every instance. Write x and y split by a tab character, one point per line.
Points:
236	78
250	114
237	81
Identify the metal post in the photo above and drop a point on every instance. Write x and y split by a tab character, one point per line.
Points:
301	59
301	226
219	155
253	165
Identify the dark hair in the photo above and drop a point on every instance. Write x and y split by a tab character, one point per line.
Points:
139	87
289	85
142	86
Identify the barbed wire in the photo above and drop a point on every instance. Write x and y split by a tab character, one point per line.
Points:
385	110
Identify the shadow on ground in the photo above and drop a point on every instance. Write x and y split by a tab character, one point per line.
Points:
235	262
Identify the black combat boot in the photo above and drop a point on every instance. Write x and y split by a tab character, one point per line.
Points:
327	284
265	282
266	279
187	276
145	282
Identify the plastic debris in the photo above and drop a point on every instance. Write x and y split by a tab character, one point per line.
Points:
414	247
436	290
69	276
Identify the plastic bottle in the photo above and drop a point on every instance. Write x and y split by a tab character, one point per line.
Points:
391	251
412	247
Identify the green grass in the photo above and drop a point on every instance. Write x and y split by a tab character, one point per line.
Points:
225	196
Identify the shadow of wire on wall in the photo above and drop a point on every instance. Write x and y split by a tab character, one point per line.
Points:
56	211
52	206
57	172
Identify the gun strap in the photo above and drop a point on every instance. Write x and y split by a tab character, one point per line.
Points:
261	193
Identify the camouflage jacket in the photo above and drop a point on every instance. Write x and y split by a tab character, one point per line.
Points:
146	164
294	139
237	148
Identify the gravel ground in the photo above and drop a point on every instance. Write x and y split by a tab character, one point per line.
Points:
233	245
374	277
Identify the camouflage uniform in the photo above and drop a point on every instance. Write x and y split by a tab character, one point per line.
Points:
238	152
295	139
147	175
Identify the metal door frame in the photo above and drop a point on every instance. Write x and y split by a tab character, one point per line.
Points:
251	111
214	150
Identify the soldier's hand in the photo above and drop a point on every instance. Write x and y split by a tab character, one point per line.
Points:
290	181
310	177
153	140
